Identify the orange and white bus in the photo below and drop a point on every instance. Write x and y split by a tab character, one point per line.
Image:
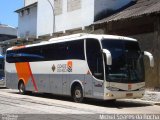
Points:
82	66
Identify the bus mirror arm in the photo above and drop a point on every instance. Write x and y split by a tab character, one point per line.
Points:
108	56
150	56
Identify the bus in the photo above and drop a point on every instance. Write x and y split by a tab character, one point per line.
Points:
2	80
82	66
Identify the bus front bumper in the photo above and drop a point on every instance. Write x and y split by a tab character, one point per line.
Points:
123	95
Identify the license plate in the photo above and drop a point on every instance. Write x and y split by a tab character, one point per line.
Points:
129	94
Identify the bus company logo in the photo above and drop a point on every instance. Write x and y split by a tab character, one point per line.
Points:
69	66
53	68
65	67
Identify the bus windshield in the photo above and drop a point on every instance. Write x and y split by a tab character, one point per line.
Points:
127	61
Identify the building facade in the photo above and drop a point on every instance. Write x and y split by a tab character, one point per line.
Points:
45	17
6	33
29	16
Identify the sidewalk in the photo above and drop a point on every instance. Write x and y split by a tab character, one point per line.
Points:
152	96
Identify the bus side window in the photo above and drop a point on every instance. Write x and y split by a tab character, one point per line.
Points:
94	58
75	50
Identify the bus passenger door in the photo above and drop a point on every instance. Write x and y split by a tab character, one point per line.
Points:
95	64
88	86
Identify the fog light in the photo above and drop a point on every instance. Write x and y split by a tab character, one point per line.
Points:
109	95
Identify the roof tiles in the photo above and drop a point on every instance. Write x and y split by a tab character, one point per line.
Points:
141	7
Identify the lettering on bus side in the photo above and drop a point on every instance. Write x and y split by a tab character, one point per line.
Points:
65	67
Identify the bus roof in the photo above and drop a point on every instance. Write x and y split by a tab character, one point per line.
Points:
77	37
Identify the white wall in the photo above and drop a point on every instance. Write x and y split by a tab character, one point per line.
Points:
41	21
27	25
101	6
45	18
7	30
65	21
28	2
75	19
86	15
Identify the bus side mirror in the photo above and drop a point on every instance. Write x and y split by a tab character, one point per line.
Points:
150	56
108	56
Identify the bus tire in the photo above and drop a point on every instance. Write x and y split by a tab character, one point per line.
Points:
21	87
77	94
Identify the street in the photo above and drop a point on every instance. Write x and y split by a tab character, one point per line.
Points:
11	102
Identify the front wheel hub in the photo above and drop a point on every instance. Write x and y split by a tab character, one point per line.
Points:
78	94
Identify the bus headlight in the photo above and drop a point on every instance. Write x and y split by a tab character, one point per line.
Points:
109	95
112	89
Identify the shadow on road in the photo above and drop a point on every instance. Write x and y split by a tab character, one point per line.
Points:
3	88
120	104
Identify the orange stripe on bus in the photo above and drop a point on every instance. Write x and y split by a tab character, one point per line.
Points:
33	80
18	47
24	72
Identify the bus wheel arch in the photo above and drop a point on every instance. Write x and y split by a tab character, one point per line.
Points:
21	87
77	91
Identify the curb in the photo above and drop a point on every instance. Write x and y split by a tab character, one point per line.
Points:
152	96
143	101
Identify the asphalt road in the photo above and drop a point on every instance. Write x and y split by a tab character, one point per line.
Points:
48	106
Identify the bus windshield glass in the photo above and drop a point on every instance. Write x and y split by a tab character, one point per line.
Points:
127	61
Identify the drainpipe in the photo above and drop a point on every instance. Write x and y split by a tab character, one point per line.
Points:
52	6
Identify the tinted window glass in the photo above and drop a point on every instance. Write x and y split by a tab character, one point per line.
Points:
127	61
75	50
94	58
25	55
57	51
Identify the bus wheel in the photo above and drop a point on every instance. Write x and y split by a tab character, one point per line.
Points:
21	88
78	94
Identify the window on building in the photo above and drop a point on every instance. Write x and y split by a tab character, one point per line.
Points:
73	5
58	7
